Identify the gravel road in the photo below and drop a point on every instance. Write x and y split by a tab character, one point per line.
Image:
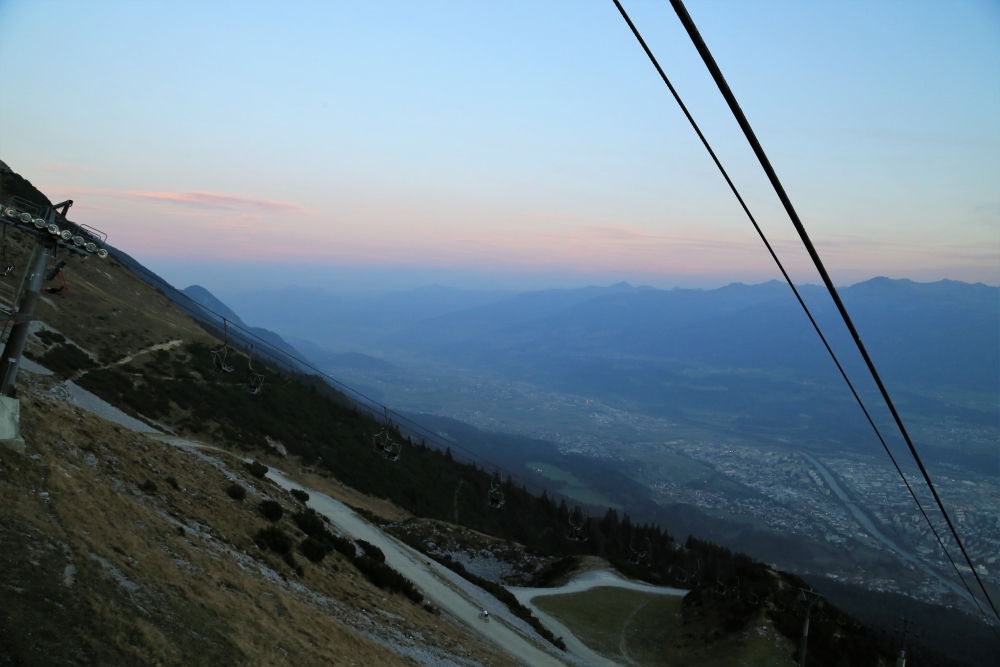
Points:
584	582
425	574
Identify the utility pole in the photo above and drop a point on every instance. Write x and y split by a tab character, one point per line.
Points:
51	230
901	660
810	597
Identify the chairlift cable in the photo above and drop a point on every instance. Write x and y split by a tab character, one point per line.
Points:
802	303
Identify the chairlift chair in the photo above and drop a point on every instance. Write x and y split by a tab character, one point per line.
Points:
256	380
392	451
219	356
496	498
380	442
645	558
734	592
633	556
56	272
576	532
383	444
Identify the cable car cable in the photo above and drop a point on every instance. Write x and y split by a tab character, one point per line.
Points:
805	308
772	176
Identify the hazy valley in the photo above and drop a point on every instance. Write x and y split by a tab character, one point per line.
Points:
719	400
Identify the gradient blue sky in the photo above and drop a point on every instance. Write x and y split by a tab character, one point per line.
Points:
506	144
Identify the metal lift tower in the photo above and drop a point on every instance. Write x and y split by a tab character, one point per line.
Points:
51	230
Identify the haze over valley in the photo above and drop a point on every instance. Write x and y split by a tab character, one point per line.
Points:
723	400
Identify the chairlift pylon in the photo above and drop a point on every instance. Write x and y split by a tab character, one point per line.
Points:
496	498
219	356
256	380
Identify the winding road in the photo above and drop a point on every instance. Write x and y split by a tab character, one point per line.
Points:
423	572
431	577
584	582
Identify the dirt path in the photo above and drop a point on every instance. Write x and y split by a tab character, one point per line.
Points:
622	644
595	579
422	571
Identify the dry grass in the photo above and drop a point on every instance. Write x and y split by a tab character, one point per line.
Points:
643	629
173	577
323	482
106	310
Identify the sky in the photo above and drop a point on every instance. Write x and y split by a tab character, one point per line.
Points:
514	145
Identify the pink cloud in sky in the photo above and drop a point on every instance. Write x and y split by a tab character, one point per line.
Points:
223	201
204	199
227	227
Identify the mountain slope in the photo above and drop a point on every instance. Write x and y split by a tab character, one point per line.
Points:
152	361
207	300
120	550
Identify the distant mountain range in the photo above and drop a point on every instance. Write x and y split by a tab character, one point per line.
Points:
208	301
742	357
932	335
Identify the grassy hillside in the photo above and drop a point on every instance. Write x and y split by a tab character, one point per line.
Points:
652	630
124	341
117	549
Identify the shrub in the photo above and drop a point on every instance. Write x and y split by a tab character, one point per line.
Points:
387	578
343	545
236	492
273	538
431	609
172	482
372	551
50	337
271	510
148	486
65	360
552	572
257	469
309	522
314	549
301	495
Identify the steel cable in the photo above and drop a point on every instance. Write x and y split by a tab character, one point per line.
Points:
808	313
